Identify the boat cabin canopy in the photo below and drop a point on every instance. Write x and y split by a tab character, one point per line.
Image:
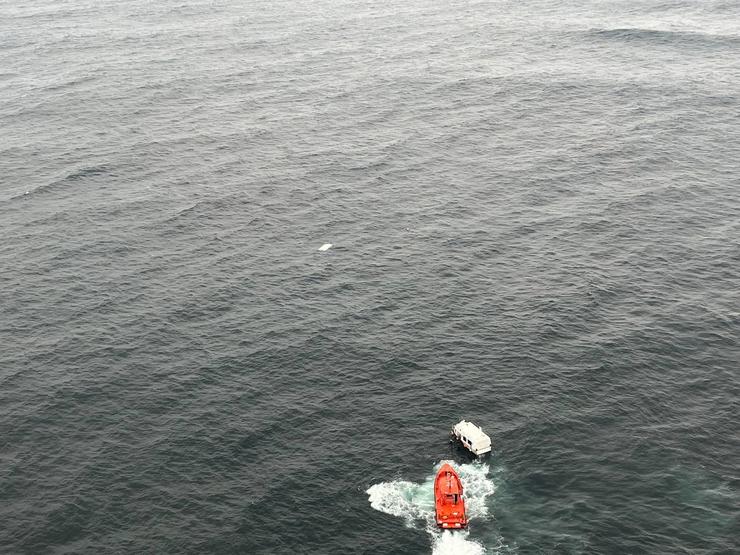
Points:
473	437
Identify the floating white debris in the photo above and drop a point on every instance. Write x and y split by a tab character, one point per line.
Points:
325	247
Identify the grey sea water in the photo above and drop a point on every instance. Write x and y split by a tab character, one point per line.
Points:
535	212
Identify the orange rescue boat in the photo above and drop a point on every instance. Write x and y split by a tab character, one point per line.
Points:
448	499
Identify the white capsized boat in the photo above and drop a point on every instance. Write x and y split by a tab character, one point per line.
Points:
472	437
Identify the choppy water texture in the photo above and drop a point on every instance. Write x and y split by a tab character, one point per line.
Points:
535	212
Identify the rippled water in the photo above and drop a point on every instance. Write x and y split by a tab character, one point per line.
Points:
535	213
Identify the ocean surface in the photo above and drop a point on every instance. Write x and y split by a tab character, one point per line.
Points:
534	208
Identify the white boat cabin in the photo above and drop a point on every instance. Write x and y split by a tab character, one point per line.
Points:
472	437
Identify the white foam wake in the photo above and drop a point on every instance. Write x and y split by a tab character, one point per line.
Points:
455	543
415	504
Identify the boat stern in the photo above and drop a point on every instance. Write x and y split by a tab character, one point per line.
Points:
452	523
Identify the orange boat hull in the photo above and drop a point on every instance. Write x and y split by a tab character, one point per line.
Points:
449	503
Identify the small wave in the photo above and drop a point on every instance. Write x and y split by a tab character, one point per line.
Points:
666	37
77	175
86	172
415	504
70	83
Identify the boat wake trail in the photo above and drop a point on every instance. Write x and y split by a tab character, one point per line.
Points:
447	542
415	504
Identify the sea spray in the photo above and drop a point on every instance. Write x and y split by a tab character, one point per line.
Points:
446	542
415	504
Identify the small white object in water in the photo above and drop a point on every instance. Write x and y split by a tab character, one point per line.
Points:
325	247
472	437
